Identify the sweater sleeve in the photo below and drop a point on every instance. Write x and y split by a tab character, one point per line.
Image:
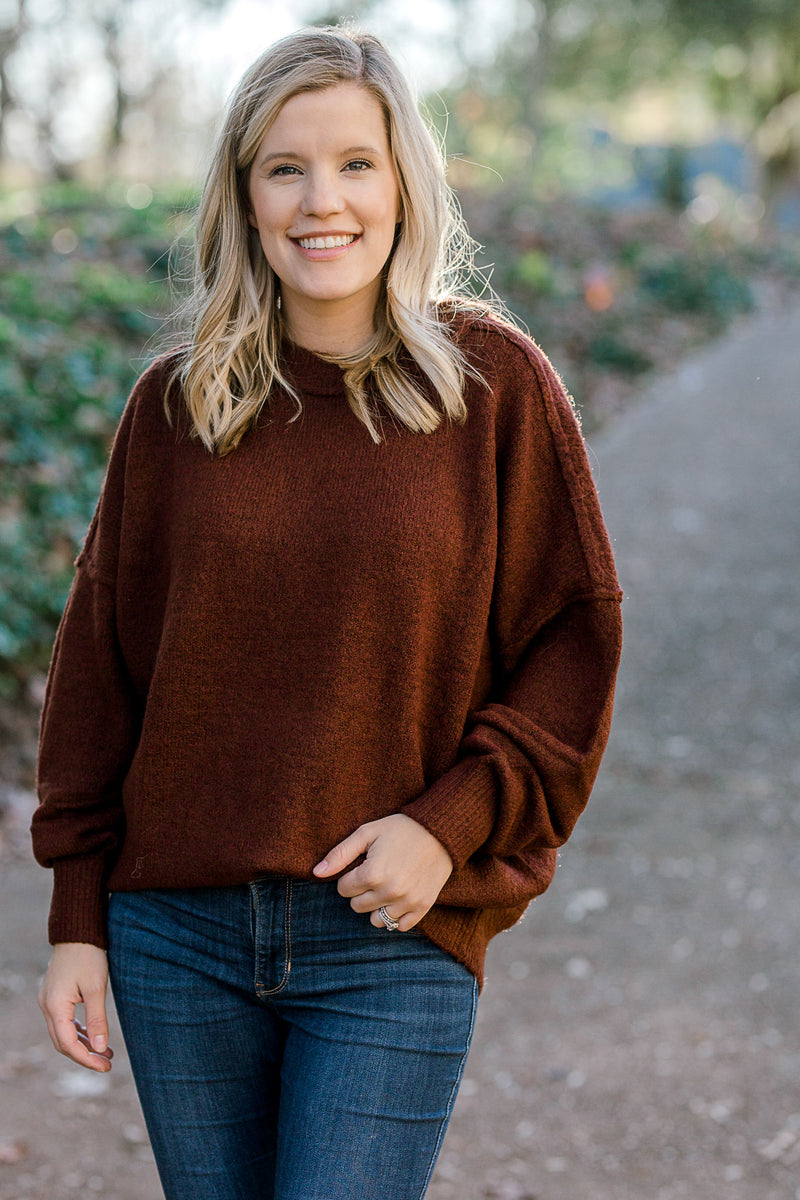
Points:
531	750
88	727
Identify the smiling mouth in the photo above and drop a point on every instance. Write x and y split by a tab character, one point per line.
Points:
329	242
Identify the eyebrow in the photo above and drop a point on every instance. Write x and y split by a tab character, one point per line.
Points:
344	153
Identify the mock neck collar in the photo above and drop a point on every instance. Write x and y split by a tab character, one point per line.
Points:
310	373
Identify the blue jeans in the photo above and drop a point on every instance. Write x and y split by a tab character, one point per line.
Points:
283	1047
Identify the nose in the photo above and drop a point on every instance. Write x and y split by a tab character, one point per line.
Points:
322	194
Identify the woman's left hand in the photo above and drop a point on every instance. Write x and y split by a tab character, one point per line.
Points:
404	870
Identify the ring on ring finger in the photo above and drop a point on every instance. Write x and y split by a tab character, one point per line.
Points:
388	921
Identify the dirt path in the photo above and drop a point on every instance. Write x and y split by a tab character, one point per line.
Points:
638	1037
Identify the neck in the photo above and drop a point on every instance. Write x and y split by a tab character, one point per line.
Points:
325	328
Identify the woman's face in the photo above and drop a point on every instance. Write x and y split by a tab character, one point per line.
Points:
325	201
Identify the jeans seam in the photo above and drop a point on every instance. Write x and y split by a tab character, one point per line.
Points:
262	992
446	1118
287	937
255	929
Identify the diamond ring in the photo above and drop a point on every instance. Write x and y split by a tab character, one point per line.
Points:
388	921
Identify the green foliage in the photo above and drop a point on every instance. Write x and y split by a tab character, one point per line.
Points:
610	350
534	270
82	292
697	285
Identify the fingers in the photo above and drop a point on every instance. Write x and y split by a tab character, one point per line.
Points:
367	887
377	920
345	852
94	1002
96	1024
368	890
404	869
406	920
65	1035
83	1038
77	974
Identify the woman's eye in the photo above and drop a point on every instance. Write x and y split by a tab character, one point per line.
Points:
358	164
283	169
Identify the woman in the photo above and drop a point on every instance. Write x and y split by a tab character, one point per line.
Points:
336	671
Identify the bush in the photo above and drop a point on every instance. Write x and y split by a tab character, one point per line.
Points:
698	285
610	350
83	291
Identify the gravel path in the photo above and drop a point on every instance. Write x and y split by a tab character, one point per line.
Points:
638	1038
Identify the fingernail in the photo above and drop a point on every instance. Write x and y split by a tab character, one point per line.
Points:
321	866
99	1043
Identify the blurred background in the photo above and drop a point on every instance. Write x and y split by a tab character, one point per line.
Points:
631	169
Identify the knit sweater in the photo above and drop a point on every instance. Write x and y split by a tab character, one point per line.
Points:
262	651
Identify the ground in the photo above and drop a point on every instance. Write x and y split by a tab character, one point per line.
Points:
637	1037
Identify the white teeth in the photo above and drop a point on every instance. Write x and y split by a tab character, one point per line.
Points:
326	243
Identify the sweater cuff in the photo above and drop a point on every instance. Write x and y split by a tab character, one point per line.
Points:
459	808
79	903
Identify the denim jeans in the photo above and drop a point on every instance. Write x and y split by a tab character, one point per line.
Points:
283	1047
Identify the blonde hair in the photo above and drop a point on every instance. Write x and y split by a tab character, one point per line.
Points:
232	361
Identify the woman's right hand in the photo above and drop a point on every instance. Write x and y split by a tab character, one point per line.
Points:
78	974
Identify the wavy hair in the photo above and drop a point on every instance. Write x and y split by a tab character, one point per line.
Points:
232	361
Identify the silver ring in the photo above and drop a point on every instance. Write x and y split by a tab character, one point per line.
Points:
388	921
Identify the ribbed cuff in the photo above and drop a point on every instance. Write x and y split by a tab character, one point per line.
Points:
459	808
78	906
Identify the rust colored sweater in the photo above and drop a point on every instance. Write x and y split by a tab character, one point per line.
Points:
263	651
